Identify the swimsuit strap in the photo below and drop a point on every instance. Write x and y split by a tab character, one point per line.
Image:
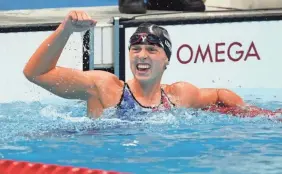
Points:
128	101
165	102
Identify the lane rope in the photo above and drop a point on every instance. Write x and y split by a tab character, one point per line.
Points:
23	167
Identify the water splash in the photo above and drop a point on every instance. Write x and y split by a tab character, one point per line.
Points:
175	141
26	120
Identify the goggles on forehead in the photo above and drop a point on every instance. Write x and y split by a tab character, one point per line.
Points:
144	37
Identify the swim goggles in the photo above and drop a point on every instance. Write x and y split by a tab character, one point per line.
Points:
145	38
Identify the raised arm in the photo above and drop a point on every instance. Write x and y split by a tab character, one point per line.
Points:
41	69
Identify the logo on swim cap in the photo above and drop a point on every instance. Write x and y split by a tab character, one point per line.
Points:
143	38
168	45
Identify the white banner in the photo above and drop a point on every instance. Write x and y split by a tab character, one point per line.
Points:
229	55
16	49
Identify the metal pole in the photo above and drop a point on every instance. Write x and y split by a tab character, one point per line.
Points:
91	49
116	46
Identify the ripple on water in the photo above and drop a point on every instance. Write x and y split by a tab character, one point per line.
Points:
179	141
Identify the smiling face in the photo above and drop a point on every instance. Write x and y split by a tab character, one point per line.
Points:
147	62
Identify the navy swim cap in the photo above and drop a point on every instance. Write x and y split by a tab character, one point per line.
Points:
148	33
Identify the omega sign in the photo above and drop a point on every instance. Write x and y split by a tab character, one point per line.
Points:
222	52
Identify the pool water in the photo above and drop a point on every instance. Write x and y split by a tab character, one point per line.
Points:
179	141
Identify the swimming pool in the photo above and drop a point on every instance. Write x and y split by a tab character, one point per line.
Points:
180	141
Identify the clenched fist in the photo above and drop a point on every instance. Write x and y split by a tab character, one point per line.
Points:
78	21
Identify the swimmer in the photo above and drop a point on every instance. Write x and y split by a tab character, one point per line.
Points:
149	54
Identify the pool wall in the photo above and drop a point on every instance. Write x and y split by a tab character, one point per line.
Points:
219	48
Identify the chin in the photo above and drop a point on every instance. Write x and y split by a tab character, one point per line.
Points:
145	79
142	78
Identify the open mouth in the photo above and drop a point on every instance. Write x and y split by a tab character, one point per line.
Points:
143	67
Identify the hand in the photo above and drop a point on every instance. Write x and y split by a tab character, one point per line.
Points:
78	21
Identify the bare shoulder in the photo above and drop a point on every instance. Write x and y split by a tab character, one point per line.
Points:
99	74
104	78
182	93
178	87
108	86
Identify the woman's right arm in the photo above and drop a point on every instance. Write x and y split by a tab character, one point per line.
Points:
41	68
